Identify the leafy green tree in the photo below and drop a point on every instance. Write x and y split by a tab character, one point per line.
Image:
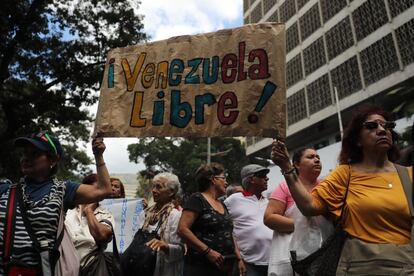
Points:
183	156
52	56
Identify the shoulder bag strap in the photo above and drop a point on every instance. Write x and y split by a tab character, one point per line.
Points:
407	185
408	190
25	218
8	235
114	244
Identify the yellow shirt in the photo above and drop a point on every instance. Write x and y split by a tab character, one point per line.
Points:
376	208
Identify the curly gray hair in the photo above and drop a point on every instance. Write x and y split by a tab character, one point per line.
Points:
172	181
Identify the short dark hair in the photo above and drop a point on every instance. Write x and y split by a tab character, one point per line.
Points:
121	186
350	151
297	155
90	179
204	174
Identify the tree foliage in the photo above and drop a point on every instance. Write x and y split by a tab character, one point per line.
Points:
52	55
183	156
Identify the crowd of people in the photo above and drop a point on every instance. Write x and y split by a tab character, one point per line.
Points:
223	229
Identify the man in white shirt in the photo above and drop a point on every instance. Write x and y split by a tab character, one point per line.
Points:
246	210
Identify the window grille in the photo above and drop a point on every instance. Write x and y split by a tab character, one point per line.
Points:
310	22
339	38
398	6
296	107
346	78
268	4
368	17
287	10
292	37
405	39
379	60
331	7
294	71
314	56
319	94
256	14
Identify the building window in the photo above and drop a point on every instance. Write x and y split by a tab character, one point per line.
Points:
339	38
268	4
274	17
294	71
302	3
331	7
314	56
292	37
405	38
346	78
310	22
368	17
287	10
398	6
321	144
319	94
246	5
379	60
247	20
256	14
296	107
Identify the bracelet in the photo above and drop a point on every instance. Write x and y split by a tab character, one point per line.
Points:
205	252
100	165
292	170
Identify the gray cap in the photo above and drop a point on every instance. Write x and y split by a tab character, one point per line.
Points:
250	170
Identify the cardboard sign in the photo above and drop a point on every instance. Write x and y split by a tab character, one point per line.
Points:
226	83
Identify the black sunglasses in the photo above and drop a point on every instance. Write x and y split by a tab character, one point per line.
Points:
260	175
374	125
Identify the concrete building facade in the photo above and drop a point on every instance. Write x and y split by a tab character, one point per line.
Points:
363	48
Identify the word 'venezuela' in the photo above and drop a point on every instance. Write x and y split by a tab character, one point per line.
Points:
232	68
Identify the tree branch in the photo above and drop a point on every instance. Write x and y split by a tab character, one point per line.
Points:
68	74
11	49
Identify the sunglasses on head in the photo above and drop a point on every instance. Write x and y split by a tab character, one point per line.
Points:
45	137
374	125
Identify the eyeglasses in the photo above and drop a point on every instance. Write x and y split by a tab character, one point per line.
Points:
220	177
388	125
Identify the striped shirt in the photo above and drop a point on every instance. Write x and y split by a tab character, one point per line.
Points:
43	215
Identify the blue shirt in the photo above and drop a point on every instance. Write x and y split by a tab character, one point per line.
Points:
36	191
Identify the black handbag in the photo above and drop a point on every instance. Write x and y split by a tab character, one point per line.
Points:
324	261
100	263
138	258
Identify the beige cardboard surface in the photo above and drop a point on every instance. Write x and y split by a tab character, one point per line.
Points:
227	83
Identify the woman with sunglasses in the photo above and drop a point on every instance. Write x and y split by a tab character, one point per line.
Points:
376	214
292	230
43	197
205	226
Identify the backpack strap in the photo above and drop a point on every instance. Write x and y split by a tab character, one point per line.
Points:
8	235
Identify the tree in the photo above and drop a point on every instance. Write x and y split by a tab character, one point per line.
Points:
52	55
183	156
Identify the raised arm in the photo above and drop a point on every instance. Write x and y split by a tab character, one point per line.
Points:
303	199
95	193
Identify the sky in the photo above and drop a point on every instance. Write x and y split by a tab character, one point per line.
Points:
164	19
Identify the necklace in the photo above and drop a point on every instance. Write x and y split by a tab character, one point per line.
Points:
389	184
